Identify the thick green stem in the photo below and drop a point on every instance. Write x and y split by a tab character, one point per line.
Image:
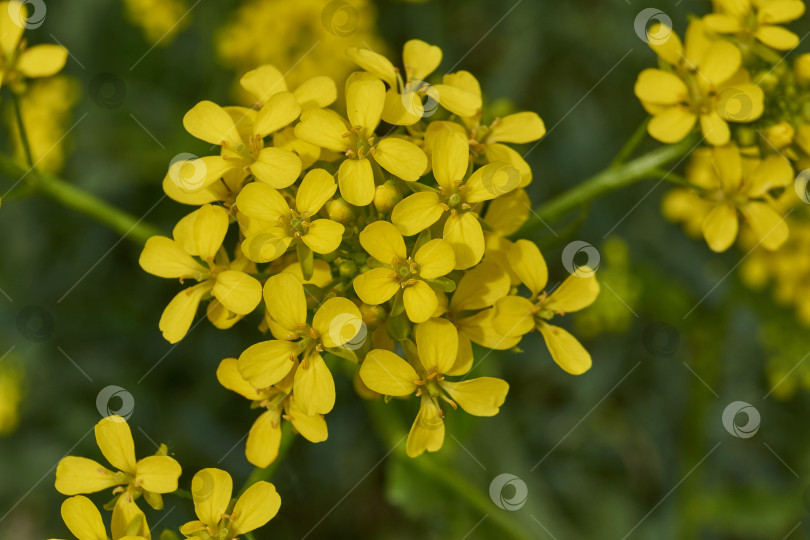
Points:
15	100
79	200
265	474
631	144
606	181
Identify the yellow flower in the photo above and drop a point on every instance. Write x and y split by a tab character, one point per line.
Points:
334	324
198	237
325	128
457	197
707	84
84	520
516	315
150	476
160	20
437	349
404	98
265	435
757	19
18	62
395	270
734	186
211	490
280	225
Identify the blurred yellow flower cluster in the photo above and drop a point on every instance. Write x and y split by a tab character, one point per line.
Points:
160	20
12	390
376	238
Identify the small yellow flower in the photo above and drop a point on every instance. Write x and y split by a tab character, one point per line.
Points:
267	363
516	315
365	96
18	62
264	437
195	253
397	271
279	225
211	490
84	521
707	84
437	348
458	195
404	98
757	19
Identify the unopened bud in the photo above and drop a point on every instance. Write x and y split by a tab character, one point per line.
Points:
386	197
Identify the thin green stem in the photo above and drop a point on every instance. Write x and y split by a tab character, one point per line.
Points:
631	144
182	493
15	101
606	181
265	474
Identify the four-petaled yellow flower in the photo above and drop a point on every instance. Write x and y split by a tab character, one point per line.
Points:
757	19
365	96
437	351
200	234
457	197
707	85
217	518
334	324
516	315
396	271
84	521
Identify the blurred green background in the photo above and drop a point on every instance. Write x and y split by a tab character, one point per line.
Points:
636	448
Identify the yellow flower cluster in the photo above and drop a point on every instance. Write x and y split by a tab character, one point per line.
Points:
160	20
729	78
378	238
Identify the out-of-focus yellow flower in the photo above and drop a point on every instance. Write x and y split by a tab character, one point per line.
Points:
516	315
757	19
160	20
12	381
436	355
84	521
211	490
706	84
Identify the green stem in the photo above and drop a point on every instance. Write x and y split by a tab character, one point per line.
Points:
606	181
182	493
79	200
15	100
265	474
631	144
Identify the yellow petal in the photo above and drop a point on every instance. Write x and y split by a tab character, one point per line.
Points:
179	314
373	63
284	296
268	362
364	104
491	181
76	475
209	122
388	374
279	111
575	293
115	441
211	490
666	43
450	157
777	37
417	212
228	376
420	58
714	129
324	128
722	60
262	202
401	158
720	227
318	91
463	80
566	351
464	234
125	516
337	321
314	388
773	172
458	101
158	474
383	241
728	164
356	181
276	167
671	125
321	276
316	188
740	103
264	439
769	227
507	214
435	259
263	82
163	257
324	236
194	175
437	345
42	60
402	109
501	152
376	286
257	505
12	24
189	528
480	330
662	87
480	397
420	301
427	431
312	428
210	228
83	518
779	11
518	128
267	246
480	288
513	316
237	291
722	23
